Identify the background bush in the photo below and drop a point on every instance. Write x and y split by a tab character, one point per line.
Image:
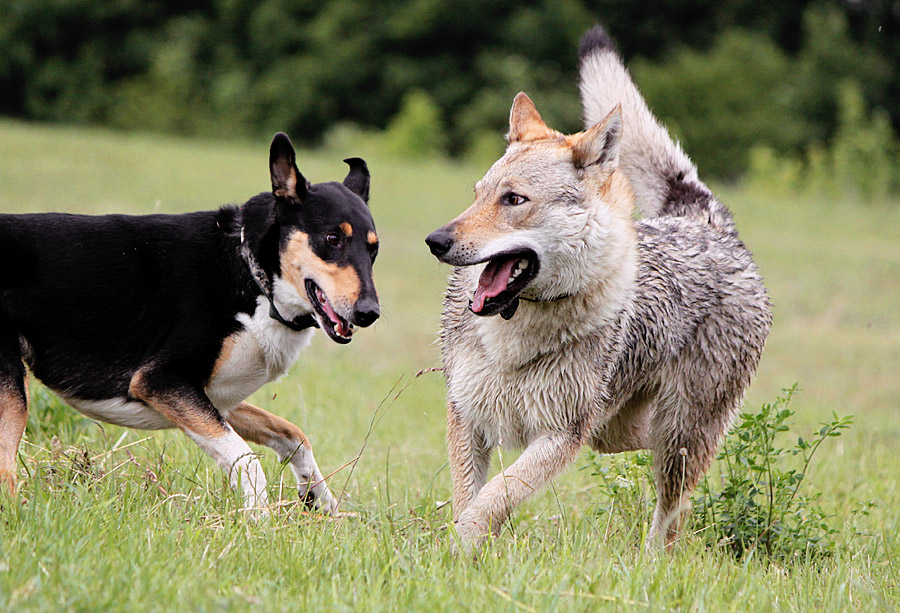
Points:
726	75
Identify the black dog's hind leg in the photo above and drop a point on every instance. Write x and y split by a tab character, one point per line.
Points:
13	402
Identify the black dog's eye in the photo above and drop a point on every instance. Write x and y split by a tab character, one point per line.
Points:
333	239
513	199
373	252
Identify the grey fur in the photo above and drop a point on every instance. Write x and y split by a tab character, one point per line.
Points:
653	348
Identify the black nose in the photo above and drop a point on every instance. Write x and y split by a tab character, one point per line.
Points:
366	312
439	241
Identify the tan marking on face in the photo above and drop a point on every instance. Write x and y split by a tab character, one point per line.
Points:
371	238
341	284
13	415
261	427
177	409
487	219
483	222
347	229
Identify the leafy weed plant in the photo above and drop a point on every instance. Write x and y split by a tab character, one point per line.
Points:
760	505
624	480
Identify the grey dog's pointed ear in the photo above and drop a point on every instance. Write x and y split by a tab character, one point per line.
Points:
525	123
287	182
357	180
599	145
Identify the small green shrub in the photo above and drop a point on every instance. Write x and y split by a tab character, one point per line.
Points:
417	129
861	161
760	505
625	483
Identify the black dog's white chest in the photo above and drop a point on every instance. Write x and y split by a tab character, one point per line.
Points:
262	351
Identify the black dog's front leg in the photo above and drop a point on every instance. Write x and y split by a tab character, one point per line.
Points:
188	407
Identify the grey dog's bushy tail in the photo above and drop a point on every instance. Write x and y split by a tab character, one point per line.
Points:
664	179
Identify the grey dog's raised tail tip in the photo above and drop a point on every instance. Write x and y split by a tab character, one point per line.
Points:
594	40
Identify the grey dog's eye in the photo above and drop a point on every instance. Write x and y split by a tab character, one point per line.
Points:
513	199
333	239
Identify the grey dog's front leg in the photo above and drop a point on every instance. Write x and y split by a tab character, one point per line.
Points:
542	460
469	459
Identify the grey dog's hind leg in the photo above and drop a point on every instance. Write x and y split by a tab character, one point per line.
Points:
684	439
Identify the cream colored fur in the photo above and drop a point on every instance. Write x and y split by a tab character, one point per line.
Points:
635	334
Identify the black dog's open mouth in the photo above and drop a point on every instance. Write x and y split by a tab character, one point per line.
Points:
339	329
504	278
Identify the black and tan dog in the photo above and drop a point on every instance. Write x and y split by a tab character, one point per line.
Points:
165	321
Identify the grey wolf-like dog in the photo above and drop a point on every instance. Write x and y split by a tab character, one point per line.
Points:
617	333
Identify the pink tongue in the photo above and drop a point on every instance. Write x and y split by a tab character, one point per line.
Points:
493	281
338	324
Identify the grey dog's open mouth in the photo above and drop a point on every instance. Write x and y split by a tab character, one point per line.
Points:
502	280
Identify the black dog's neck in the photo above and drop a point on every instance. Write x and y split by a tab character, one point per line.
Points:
257	230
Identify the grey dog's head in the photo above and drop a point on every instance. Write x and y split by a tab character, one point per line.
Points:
545	215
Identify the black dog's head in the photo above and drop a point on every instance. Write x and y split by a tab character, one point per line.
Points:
327	242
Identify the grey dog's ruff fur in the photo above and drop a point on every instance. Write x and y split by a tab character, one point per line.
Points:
660	325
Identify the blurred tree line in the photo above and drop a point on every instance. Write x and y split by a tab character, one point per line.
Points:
730	77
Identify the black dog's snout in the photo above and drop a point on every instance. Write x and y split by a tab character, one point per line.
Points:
439	241
366	312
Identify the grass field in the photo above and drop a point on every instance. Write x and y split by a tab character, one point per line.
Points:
115	519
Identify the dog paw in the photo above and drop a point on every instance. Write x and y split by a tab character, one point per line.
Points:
318	497
472	532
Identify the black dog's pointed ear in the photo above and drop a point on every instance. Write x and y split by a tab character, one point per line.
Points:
287	182
357	180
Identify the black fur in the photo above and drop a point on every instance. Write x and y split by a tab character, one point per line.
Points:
88	301
691	199
357	180
595	39
95	298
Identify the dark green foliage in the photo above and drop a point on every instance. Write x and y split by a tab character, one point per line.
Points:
727	75
721	103
860	163
759	505
746	92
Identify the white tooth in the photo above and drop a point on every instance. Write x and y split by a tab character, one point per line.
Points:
523	264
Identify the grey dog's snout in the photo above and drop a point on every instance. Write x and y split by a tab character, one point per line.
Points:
439	241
